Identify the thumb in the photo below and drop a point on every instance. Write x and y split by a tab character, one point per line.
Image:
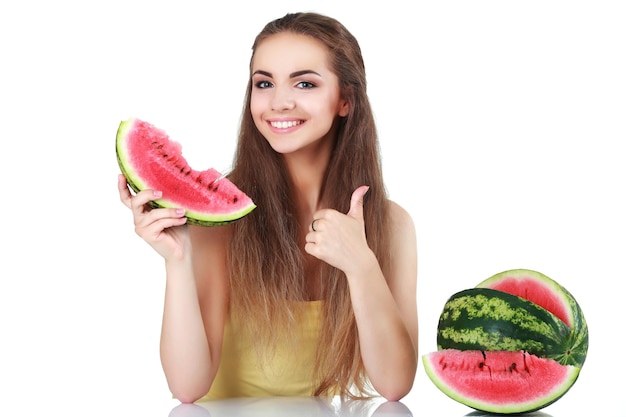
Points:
356	202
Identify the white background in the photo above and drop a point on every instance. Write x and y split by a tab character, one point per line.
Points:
502	128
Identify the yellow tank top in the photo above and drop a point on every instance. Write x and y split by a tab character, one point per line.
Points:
287	373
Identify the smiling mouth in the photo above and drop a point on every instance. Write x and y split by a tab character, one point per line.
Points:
286	124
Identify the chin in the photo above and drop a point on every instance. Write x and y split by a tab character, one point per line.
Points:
283	146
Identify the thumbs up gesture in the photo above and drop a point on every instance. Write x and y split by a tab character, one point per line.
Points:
339	239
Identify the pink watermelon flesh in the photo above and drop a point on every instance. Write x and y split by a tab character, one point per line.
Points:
524	284
500	381
150	160
536	292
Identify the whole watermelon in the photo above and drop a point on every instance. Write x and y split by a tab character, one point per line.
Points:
515	343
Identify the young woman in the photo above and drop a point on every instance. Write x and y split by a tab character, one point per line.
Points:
314	292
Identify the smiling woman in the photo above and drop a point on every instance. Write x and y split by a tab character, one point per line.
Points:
270	305
501	127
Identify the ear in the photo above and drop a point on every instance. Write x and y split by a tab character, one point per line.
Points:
344	108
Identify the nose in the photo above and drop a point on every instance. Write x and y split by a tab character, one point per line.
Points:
282	99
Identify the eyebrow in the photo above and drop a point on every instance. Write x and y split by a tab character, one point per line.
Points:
292	75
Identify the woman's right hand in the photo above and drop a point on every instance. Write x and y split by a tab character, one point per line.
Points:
158	227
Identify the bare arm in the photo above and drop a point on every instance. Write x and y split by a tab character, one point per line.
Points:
194	315
384	306
386	312
195	292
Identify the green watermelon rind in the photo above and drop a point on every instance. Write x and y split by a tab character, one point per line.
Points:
492	320
579	337
512	408
137	184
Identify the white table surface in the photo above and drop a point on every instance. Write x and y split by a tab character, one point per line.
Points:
595	394
600	391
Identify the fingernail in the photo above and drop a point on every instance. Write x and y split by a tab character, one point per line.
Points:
157	194
180	211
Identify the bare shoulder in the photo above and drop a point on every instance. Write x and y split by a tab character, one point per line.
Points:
401	220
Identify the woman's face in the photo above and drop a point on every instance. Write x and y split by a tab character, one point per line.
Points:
295	96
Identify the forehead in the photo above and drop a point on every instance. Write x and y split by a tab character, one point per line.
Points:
288	52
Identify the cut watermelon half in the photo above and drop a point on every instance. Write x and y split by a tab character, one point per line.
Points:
499	382
549	294
150	160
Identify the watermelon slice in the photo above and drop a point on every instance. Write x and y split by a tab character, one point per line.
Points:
549	294
499	382
150	160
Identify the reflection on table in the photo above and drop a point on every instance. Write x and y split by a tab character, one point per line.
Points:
484	414
292	407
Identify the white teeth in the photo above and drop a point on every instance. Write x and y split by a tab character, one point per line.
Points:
285	124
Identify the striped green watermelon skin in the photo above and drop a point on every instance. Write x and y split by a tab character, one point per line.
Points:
549	294
492	320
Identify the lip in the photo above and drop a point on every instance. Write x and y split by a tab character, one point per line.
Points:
284	125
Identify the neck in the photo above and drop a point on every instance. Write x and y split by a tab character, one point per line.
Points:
306	172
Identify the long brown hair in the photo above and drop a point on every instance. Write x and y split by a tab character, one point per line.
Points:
266	257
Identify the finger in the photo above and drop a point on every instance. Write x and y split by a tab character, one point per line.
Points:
122	186
155	221
310	248
139	201
356	202
320	219
157	228
315	226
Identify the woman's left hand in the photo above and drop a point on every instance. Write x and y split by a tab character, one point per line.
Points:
339	239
